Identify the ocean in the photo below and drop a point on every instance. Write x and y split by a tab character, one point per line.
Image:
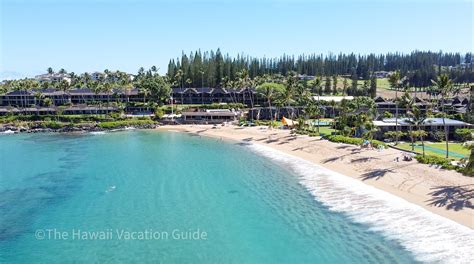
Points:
170	197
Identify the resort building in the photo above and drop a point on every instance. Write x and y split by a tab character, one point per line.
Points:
429	125
304	77
390	106
211	116
96	76
207	95
455	105
18	98
248	97
276	113
23	98
336	99
382	74
53	77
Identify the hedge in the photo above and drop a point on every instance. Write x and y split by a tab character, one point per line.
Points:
124	123
443	162
307	132
52	124
353	141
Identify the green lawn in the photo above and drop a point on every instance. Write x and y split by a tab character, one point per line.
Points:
326	130
456	150
383	83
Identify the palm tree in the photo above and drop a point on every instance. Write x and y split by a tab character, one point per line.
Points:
270	91
244	82
395	81
180	77
342	120
332	103
108	89
189	82
47	101
87	78
63	86
312	110
50	70
98	89
345	85
445	87
418	119
408	102
469	169
286	97
38	97
316	86
145	93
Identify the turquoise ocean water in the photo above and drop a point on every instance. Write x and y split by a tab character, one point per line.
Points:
244	206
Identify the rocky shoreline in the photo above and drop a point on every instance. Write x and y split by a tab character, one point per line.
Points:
11	129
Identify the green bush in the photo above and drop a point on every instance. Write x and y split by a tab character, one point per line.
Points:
392	135
443	162
114	115
387	115
53	125
377	143
353	141
307	132
437	136
124	123
159	112
464	134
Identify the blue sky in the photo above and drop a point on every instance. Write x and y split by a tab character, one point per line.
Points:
94	35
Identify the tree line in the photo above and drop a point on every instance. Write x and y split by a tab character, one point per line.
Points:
214	69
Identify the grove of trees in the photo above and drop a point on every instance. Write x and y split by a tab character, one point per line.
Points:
213	68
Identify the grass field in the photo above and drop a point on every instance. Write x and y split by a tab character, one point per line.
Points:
326	130
456	150
383	83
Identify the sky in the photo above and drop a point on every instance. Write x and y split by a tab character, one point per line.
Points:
124	35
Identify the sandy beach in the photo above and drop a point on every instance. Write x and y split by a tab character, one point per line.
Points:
443	192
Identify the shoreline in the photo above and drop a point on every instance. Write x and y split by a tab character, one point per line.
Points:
441	192
8	129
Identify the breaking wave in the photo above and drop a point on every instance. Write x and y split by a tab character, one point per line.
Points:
430	237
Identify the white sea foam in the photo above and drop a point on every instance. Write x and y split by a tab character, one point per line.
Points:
8	132
430	237
98	132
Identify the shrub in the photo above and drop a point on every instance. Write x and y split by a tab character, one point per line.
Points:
114	115
159	112
307	132
444	163
387	114
437	136
124	123
52	125
377	143
392	135
464	134
353	141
